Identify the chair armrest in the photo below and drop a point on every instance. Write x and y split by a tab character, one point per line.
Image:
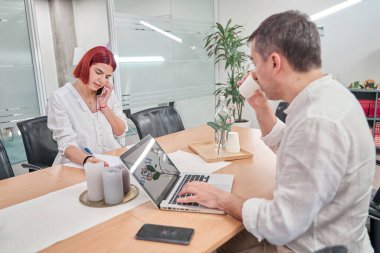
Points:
374	212
30	166
333	249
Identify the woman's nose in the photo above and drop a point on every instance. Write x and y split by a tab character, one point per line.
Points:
102	79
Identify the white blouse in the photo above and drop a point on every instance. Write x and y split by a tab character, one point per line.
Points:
73	124
324	173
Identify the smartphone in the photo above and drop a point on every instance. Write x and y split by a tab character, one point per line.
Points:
99	91
168	234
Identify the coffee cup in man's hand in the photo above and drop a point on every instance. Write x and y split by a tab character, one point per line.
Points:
248	87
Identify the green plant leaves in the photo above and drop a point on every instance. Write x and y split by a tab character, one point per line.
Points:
224	44
221	124
156	175
214	125
220	28
228	126
150	168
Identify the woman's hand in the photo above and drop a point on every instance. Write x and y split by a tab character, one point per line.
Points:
103	98
97	160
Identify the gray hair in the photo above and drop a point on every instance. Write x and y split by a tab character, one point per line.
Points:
291	34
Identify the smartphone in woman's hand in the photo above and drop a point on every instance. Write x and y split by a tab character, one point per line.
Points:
99	92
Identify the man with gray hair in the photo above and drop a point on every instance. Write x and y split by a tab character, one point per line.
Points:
325	152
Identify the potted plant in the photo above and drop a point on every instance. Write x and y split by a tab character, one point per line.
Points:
224	44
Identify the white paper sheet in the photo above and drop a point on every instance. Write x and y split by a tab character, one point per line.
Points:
38	223
188	162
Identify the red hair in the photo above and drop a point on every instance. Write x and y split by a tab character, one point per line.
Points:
94	55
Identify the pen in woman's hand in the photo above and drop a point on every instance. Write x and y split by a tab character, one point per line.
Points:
88	151
93	158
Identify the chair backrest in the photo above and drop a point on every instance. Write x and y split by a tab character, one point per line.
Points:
5	165
374	220
280	111
376	197
157	121
40	147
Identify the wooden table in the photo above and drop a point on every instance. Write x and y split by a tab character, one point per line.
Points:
253	178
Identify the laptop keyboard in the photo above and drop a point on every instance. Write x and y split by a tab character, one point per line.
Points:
188	178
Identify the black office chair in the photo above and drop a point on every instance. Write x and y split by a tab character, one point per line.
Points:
157	121
280	111
5	165
374	221
333	249
40	147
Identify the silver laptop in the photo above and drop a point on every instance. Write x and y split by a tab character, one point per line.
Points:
162	181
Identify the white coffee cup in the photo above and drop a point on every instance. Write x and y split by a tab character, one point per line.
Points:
249	86
233	145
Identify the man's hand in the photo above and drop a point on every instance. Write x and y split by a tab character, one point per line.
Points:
203	193
258	101
209	196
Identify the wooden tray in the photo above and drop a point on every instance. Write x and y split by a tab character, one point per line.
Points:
209	152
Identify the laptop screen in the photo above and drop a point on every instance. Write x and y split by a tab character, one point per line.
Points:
152	168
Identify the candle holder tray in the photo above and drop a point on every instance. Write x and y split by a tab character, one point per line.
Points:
133	193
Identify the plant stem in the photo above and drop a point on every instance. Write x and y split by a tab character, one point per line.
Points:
220	141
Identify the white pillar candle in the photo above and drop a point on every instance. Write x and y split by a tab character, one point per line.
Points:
94	181
233	145
126	180
113	186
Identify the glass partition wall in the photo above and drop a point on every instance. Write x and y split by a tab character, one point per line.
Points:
159	48
19	98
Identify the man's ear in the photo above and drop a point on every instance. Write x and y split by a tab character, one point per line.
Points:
276	61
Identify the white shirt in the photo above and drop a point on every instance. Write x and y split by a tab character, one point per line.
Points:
73	124
324	174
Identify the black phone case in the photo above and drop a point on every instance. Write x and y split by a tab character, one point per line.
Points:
167	234
99	91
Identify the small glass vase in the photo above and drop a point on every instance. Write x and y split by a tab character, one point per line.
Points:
220	135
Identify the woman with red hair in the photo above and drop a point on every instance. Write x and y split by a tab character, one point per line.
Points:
86	113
